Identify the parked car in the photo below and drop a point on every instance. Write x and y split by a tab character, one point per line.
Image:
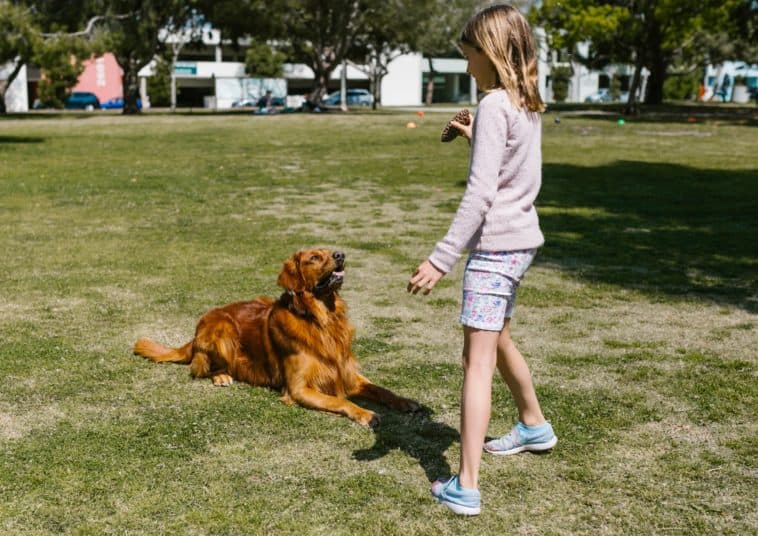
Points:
82	100
243	103
360	97
249	103
601	95
117	103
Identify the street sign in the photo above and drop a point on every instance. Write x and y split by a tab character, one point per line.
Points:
185	69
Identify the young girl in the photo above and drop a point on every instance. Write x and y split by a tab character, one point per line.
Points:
497	222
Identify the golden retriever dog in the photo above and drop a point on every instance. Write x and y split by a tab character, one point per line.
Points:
298	344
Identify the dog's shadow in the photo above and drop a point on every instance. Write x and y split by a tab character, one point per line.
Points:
415	434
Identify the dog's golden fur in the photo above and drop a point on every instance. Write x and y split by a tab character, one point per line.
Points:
299	344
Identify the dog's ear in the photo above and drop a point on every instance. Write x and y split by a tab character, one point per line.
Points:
290	277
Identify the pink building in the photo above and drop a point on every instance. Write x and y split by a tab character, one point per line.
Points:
101	76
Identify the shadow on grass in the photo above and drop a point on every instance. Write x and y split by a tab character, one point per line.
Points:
660	228
730	114
21	139
417	435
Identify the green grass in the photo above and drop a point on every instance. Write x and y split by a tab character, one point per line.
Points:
638	320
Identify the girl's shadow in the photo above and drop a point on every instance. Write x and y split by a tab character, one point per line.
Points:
418	436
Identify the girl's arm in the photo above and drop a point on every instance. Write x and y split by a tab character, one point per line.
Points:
490	134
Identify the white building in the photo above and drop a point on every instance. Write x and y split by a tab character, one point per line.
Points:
212	75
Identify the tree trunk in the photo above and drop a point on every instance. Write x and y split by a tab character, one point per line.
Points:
430	83
632	107
378	89
655	81
129	84
131	88
3	89
658	64
373	81
372	84
321	85
322	70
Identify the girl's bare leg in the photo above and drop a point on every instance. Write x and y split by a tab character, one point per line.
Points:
515	372
479	360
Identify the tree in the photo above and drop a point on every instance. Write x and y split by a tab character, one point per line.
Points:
238	19
263	60
323	34
391	30
132	33
159	85
439	33
47	33
19	39
652	34
560	77
320	33
60	61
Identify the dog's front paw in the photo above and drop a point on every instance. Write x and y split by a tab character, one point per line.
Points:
369	418
222	380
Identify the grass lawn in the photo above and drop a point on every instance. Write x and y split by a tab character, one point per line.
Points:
638	320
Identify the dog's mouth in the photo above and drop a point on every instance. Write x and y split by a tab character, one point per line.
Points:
332	279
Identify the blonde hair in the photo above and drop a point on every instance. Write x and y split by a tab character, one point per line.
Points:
502	33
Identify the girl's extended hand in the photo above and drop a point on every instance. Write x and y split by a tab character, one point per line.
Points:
464	130
425	277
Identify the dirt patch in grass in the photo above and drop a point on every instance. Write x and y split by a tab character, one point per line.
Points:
17	423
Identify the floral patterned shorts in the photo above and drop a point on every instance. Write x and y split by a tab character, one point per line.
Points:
490	281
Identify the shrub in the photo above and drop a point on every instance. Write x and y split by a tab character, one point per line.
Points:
560	79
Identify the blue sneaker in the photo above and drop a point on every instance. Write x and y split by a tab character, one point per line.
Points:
521	438
464	501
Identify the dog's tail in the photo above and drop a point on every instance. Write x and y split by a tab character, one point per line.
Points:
161	354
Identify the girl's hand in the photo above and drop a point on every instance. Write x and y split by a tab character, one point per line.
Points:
425	277
464	130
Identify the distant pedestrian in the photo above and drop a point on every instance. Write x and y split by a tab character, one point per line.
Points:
725	86
497	222
265	103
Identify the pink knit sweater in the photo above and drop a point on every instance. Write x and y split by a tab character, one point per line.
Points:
505	173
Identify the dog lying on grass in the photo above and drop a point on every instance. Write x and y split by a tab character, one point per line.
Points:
298	344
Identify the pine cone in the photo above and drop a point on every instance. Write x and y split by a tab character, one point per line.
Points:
449	133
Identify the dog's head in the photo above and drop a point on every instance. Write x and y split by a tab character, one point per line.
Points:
318	271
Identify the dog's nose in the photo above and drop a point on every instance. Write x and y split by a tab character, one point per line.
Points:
339	257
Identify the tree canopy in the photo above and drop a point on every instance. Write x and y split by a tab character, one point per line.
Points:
655	34
663	36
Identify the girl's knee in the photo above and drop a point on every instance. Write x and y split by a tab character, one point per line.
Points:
485	361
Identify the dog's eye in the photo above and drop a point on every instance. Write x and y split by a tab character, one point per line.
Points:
315	258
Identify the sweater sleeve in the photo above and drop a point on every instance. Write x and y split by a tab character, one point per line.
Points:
487	154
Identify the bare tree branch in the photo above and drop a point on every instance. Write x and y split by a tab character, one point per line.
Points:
90	26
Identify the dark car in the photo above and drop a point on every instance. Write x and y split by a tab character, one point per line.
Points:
117	103
82	100
361	97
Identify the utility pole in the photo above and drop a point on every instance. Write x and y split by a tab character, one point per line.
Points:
343	87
